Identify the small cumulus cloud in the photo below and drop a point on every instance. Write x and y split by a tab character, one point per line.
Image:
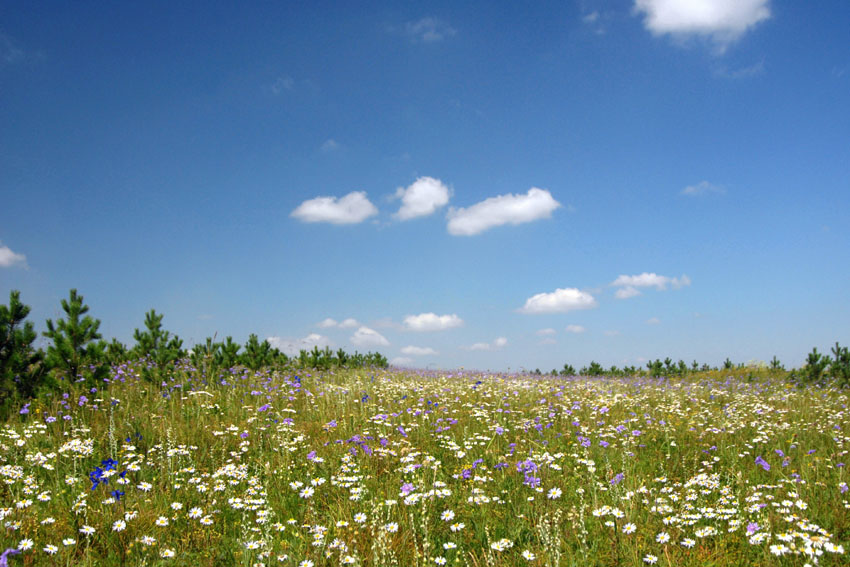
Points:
702	188
575	329
292	347
653	321
418	351
626	292
497	344
559	301
401	361
545	332
432	322
503	209
350	209
429	30
364	336
9	259
628	285
721	21
421	198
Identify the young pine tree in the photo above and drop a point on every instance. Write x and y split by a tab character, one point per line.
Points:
21	371
73	338
257	354
162	347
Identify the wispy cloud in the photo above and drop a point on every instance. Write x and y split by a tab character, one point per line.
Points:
283	84
545	332
421	198
558	301
740	73
653	321
575	329
429	30
330	145
292	347
629	285
9	259
366	337
330	323
595	21
350	209
432	322
702	188
10	53
418	351
503	209
401	361
497	344
721	21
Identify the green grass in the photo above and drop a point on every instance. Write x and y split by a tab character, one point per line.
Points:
376	467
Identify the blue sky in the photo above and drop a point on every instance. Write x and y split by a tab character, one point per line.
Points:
452	184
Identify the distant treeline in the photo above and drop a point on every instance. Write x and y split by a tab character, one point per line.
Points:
819	368
78	351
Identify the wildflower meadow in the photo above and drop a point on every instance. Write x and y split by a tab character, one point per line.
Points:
378	467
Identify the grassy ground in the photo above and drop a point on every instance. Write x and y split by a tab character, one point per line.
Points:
376	467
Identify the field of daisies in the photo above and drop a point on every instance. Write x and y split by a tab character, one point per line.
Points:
387	467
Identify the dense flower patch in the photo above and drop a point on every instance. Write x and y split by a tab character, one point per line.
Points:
401	468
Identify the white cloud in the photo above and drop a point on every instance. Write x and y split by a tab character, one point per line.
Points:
497	344
504	209
611	333
723	21
292	347
421	198
332	323
352	208
432	322
401	361
653	321
544	332
643	280
702	188
429	30
576	329
629	284
559	301
418	351
364	336
626	292
9	258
